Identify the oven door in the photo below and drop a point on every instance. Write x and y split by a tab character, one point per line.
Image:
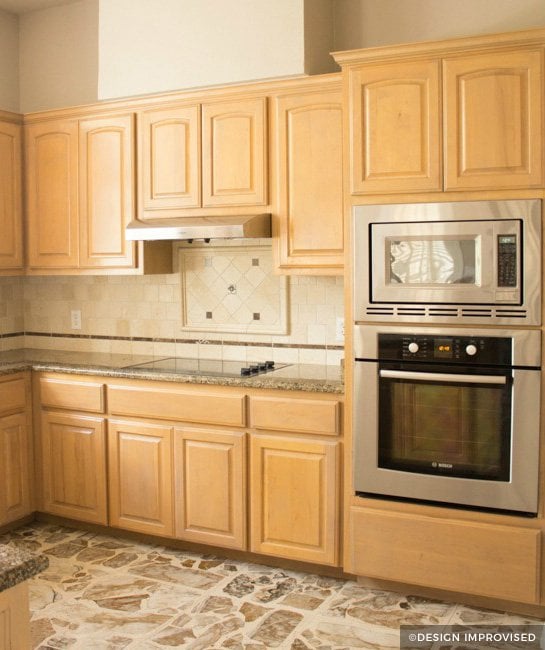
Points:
451	437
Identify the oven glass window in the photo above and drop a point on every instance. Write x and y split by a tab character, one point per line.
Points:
453	429
433	261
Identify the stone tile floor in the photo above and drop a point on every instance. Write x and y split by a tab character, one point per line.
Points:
106	593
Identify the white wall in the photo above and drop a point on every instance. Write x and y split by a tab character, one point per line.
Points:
59	56
9	62
151	47
367	23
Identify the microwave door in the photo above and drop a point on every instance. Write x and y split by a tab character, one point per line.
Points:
439	262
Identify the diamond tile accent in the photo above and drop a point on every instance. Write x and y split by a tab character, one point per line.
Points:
225	295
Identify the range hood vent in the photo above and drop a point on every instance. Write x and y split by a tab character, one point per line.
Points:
228	227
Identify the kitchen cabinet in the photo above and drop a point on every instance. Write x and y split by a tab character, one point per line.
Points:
294	483
309	178
15	618
493	120
106	191
482	130
52	194
485	559
203	155
210	479
15	448
294	476
140	476
395	127
11	214
73	448
80	194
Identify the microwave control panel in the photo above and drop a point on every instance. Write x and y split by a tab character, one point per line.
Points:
507	261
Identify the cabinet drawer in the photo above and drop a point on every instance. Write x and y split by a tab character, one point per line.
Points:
73	395
12	395
469	557
180	405
294	414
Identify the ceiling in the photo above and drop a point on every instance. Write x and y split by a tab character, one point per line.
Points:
24	6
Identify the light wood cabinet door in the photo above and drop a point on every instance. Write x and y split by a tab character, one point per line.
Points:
395	127
493	118
210	476
52	194
15	474
11	224
106	190
170	159
74	466
234	153
140	476
310	180
15	618
295	493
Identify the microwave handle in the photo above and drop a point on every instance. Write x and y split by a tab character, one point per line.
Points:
443	377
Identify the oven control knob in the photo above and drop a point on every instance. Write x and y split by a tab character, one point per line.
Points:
413	347
471	350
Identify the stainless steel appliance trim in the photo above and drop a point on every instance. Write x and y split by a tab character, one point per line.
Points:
519	494
402	304
442	377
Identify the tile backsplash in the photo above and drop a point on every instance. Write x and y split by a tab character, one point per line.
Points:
143	315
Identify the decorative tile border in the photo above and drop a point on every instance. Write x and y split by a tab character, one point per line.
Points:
144	339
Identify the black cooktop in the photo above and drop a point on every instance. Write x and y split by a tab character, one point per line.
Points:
210	367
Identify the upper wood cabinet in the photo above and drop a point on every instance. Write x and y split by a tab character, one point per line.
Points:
106	191
493	120
395	127
201	156
52	194
234	152
309	183
11	224
80	196
464	119
171	158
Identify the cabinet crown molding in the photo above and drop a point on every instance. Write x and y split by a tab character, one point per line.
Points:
454	46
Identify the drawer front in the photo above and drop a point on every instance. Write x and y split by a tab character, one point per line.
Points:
294	414
73	395
12	395
180	405
469	557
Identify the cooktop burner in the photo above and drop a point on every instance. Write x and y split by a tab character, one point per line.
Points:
210	367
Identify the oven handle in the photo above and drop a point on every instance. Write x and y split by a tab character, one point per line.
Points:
442	376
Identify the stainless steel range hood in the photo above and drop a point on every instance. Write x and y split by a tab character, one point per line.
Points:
228	227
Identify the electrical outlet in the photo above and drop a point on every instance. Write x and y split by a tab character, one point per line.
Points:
75	318
339	329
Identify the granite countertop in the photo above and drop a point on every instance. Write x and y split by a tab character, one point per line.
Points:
312	378
17	565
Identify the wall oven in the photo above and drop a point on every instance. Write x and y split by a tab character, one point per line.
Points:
472	261
448	415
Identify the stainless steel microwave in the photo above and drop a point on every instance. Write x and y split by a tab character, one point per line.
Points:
472	261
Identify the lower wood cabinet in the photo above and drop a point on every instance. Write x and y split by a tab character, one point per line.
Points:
464	556
210	479
15	474
140	476
15	448
15	618
74	466
295	491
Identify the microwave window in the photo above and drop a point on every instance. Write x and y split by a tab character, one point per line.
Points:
432	261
